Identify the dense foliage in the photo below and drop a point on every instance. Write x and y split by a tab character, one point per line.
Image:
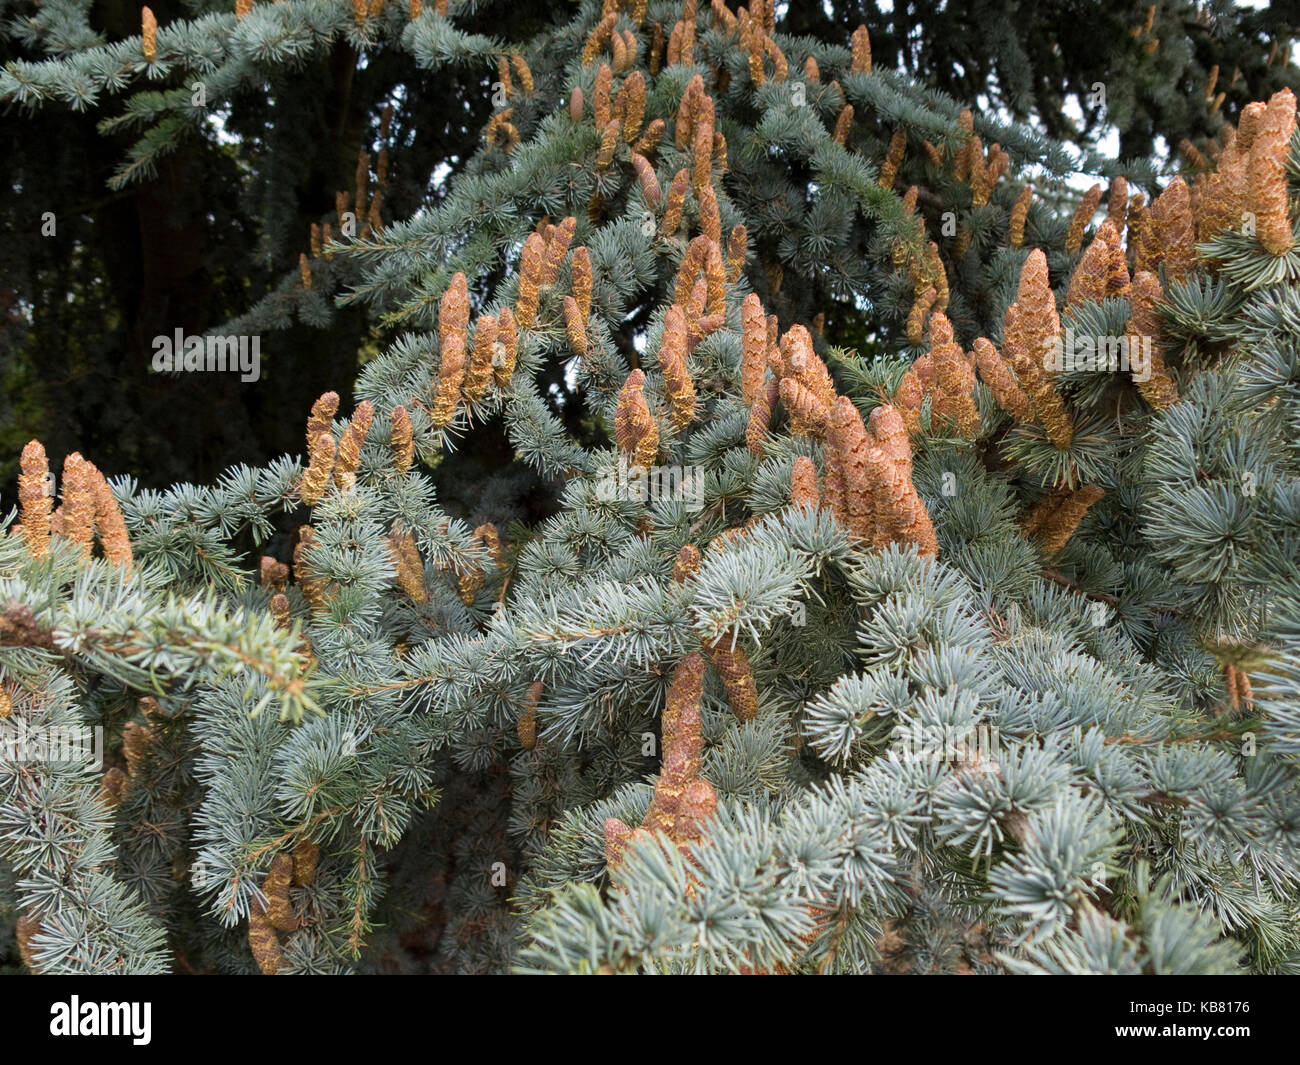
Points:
784	528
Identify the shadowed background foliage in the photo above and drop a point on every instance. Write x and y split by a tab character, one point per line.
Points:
226	212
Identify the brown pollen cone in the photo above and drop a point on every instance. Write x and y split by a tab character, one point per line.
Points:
887	427
924	369
522	72
936	275
1088	284
688	272
687	110
1249	124
698	804
1082	216
954	403
453	330
321	419
1019	214
1032	520
710	218
1002	382
279	910
677	377
409	565
1245	696
753	348
683	744
908	399
468	584
676	203
557	248
801	362
78	503
1266	173
634	426
608	144
599	37
113	788
1171	236
843	124
279	608
687	563
702	157
1057	527
649	140
698	299
737	676
962	160
575	327
1160	389
715	276
148	35
893	159
1117	203
1224	197
580	277
313	589
137	738
860	51
26	928
901	516
917	316
617	836
530	273
306	855
113	537
1118	283
505	350
1049	408
263	941
807	412
526	726
320	464
849	490
1030	332
479	372
737	249
760	417
632	96
35	499
348	460
681	720
601	96
803	483
403	439
1037	323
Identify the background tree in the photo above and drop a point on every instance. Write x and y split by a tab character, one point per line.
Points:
204	221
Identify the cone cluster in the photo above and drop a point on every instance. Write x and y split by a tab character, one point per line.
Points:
89	508
683	800
325	458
